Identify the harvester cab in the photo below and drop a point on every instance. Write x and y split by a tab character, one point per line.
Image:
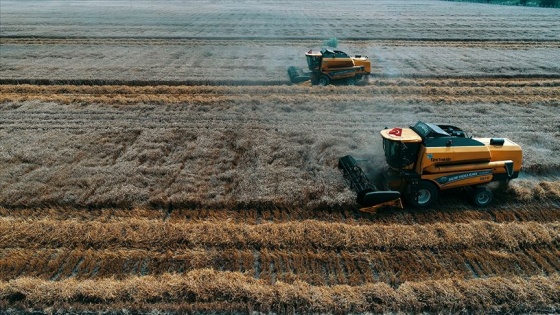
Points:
313	60
329	65
425	159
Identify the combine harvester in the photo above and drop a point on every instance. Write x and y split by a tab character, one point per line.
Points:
328	65
425	159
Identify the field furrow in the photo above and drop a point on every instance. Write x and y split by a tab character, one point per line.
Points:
391	266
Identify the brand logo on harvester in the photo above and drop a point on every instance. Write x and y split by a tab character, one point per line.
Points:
444	180
397	132
434	159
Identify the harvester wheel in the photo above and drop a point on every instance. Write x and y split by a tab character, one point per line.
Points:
424	195
324	80
351	82
482	196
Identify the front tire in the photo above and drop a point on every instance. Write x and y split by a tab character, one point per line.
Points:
424	195
482	196
324	80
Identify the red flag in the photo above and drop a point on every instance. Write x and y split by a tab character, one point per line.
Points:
396	131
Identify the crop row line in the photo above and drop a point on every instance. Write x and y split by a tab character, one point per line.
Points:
461	81
550	99
501	294
379	90
309	234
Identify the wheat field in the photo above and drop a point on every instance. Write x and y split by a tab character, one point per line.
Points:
154	158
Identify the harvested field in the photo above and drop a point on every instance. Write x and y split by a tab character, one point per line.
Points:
147	187
245	146
159	162
252	42
230	62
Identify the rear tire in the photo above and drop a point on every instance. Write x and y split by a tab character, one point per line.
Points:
426	194
324	80
351	82
482	196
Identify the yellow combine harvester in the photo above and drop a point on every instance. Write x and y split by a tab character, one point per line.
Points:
331	65
425	159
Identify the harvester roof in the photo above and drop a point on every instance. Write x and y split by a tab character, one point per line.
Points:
313	53
431	135
420	131
401	134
